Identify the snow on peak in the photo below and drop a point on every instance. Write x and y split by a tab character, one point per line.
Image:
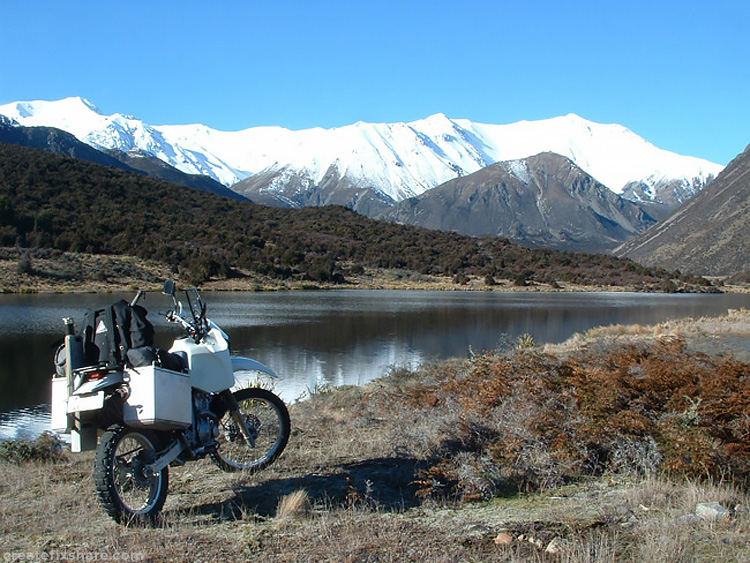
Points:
398	159
518	168
75	115
42	109
611	153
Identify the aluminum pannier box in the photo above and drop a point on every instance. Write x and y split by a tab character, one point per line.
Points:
159	398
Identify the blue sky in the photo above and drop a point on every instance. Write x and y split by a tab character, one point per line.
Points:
676	73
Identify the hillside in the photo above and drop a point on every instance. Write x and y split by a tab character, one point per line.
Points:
56	141
709	234
152	166
52	201
373	167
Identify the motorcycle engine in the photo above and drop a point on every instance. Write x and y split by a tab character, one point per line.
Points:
206	422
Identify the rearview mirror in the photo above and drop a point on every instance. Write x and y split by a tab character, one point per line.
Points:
169	288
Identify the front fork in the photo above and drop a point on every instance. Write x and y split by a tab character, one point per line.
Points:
234	412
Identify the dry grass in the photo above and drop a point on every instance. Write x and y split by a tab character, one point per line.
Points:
294	505
218	516
432	465
704	334
44	270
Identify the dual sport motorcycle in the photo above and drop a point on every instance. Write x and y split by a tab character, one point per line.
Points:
158	408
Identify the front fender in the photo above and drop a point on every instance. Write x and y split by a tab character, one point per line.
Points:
248	364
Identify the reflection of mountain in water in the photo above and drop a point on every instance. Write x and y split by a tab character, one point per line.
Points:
351	349
303	372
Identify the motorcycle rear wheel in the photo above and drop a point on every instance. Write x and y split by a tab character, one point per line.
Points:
126	490
267	420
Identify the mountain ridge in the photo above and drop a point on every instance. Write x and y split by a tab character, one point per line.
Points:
396	160
57	141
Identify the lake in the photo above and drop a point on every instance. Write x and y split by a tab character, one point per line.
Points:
329	338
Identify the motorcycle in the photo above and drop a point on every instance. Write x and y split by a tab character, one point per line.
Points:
176	406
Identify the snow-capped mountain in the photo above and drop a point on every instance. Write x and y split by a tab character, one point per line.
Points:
392	160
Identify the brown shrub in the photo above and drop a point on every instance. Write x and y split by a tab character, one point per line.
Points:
543	421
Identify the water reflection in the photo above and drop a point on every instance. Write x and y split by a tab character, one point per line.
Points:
315	339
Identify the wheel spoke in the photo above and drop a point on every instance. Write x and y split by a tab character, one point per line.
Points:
267	421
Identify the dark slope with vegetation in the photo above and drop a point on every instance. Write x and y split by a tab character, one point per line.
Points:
152	166
56	141
53	201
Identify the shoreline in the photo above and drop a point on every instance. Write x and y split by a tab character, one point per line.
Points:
13	283
503	286
58	272
220	286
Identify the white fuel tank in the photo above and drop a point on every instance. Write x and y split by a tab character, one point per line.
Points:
209	362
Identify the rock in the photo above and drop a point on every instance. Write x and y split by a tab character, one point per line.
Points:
554	547
503	538
478	531
711	511
535	542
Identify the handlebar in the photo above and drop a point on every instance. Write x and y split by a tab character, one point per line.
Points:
174	317
197	327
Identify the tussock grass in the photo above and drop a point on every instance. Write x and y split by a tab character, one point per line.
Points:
294	505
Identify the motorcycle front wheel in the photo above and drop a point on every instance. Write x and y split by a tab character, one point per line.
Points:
127	491
267	421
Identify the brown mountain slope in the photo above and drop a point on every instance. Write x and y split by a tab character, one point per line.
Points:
709	235
544	200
